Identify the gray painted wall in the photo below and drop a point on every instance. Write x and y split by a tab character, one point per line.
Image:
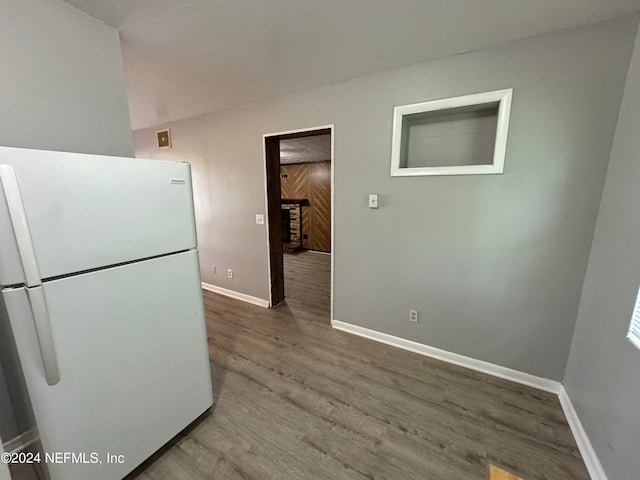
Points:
494	264
603	372
61	88
62	82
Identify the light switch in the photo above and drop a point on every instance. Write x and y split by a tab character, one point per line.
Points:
373	200
259	219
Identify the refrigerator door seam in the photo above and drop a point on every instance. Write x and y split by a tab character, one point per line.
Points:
115	265
20	226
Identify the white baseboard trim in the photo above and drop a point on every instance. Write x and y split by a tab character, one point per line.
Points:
540	383
22	441
589	456
261	302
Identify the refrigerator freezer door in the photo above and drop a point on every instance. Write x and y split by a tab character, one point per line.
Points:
88	211
133	358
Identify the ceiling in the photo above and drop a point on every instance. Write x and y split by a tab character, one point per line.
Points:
188	57
316	148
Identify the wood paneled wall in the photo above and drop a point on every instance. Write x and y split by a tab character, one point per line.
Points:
313	182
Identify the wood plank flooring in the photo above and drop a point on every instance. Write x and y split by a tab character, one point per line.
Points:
295	399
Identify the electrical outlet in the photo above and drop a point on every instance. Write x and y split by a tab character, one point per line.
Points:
213	267
259	219
413	316
230	273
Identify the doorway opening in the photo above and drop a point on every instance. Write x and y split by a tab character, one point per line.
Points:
299	191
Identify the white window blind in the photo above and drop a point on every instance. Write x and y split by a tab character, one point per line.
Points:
634	328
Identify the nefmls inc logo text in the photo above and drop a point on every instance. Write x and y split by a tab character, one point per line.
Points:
72	457
92	458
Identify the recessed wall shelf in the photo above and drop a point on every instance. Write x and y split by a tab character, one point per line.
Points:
454	136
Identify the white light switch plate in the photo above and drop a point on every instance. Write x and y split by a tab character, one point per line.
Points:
373	200
259	219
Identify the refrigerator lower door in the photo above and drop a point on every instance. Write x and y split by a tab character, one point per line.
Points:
133	360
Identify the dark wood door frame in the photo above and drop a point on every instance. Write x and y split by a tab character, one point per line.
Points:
274	215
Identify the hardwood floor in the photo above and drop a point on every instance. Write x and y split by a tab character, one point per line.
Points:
295	399
22	472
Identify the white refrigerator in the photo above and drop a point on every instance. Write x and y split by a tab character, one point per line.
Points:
101	293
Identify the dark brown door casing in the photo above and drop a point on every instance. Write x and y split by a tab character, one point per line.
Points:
272	153
272	149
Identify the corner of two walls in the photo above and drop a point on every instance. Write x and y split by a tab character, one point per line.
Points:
228	175
494	263
603	370
62	88
63	83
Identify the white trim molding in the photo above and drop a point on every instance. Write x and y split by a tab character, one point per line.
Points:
318	252
22	441
261	302
589	456
401	115
634	327
522	378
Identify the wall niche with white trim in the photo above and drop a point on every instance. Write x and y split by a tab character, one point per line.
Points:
464	135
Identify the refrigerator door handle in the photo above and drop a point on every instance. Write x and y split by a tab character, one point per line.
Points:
31	272
45	334
20	225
